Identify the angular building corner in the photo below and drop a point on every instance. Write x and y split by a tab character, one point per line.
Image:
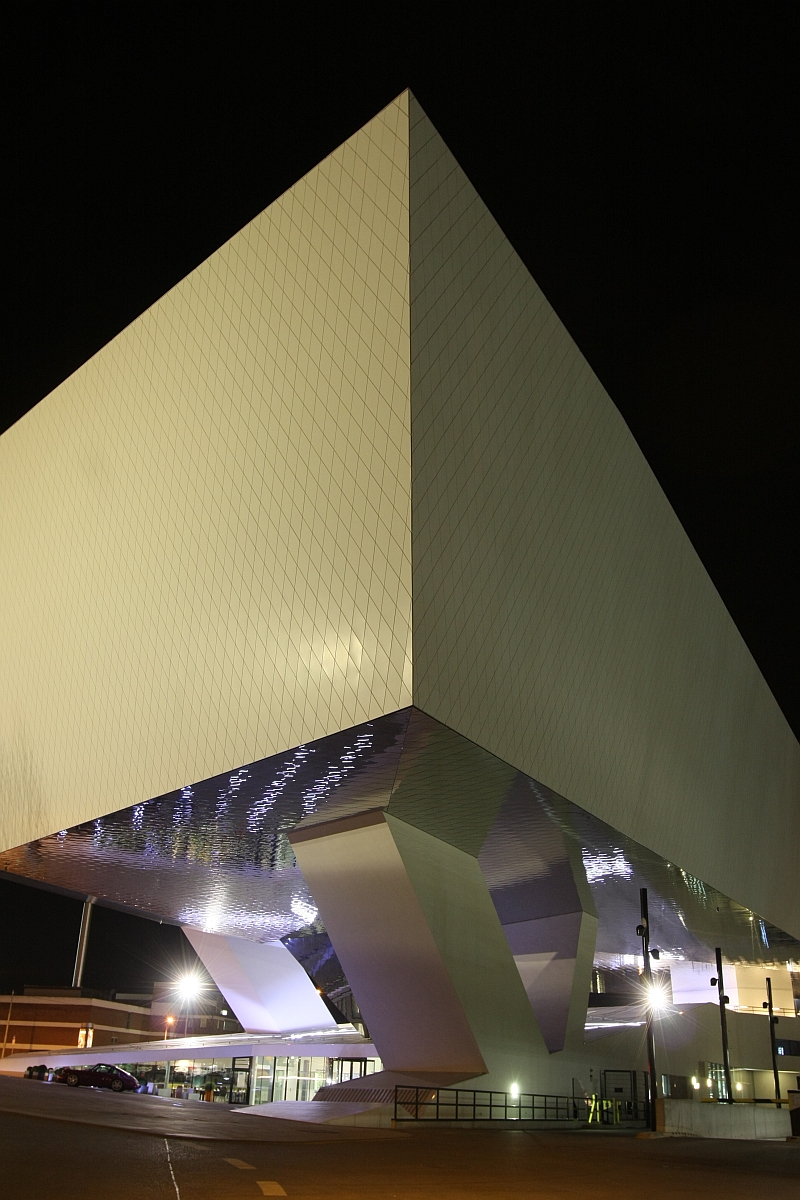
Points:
336	589
562	619
206	552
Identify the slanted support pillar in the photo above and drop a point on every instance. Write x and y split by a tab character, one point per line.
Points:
416	932
262	981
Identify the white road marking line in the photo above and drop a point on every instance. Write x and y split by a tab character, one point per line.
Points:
270	1188
172	1173
237	1162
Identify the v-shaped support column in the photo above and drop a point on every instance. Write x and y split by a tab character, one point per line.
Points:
421	945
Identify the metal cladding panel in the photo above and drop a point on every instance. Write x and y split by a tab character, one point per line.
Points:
561	617
205	552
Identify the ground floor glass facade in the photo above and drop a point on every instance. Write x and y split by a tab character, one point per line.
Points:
258	1080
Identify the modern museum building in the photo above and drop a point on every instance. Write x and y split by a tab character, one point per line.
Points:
344	624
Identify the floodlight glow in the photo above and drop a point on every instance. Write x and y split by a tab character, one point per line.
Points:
189	986
514	1091
738	1087
656	997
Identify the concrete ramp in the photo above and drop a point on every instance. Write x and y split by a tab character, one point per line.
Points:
168	1118
327	1112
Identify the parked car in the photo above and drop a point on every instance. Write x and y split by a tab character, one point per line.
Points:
101	1075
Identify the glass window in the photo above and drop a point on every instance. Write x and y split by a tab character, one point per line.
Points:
264	1077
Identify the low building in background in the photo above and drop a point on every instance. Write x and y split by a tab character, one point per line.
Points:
48	1019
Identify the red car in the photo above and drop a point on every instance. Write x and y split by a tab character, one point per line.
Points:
101	1075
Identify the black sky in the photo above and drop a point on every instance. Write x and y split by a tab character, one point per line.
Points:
643	160
125	953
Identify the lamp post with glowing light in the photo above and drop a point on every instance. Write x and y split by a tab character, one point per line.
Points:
643	931
167	1022
719	983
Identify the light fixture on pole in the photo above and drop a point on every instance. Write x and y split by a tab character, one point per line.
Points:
719	983
773	1021
643	931
8	1021
167	1022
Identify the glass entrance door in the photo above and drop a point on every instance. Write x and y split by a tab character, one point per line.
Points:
239	1091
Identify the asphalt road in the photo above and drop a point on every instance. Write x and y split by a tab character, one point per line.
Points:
81	1162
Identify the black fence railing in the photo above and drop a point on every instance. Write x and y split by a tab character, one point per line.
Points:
465	1104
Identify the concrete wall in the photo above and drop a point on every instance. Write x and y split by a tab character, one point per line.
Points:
745	985
562	619
683	1042
738	1121
204	532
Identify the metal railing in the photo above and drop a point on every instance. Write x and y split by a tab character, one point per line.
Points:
465	1104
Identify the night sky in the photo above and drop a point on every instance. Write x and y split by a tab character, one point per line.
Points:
125	953
642	159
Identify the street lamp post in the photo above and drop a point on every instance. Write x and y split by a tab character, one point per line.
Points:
719	983
189	988
773	1021
8	1022
168	1021
643	930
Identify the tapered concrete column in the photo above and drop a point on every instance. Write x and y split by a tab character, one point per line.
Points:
421	945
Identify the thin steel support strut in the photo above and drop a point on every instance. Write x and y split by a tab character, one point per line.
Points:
83	941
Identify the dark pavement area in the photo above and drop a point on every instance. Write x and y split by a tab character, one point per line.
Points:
82	1162
158	1115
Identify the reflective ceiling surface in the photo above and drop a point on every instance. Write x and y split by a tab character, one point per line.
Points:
215	854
